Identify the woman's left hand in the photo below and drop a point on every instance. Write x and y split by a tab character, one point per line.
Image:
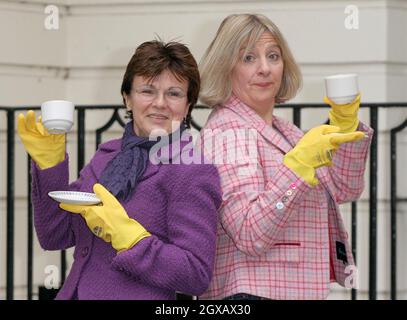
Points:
109	220
344	116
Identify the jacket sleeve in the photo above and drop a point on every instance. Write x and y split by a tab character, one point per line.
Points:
185	261
53	225
348	168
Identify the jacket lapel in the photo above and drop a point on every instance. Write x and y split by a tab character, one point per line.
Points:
253	120
291	133
151	170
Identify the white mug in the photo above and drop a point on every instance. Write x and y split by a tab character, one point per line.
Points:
342	88
57	116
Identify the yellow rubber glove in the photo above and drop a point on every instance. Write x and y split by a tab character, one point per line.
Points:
344	116
315	149
47	150
109	220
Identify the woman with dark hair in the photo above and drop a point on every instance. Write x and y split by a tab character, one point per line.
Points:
154	233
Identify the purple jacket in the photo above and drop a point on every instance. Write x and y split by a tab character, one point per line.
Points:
176	203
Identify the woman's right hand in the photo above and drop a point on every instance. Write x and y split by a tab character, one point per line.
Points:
315	149
47	150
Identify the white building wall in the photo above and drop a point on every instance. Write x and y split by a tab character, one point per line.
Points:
84	61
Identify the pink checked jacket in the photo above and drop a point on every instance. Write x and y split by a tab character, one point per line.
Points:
278	237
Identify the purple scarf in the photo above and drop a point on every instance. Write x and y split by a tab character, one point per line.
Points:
122	173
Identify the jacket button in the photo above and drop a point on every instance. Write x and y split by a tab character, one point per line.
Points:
85	251
279	205
293	186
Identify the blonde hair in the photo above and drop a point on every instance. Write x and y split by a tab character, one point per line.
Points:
217	63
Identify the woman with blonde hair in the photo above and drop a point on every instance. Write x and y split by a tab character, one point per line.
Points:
280	232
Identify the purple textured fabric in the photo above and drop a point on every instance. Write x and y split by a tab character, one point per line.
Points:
176	203
123	172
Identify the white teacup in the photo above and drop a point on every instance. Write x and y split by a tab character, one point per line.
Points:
342	88
57	116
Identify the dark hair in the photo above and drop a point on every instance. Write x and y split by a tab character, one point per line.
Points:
153	57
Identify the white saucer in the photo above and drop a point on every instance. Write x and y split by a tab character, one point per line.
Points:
74	197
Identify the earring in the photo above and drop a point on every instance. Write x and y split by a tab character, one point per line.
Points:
129	114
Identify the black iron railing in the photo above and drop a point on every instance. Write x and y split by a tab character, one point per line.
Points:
10	114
